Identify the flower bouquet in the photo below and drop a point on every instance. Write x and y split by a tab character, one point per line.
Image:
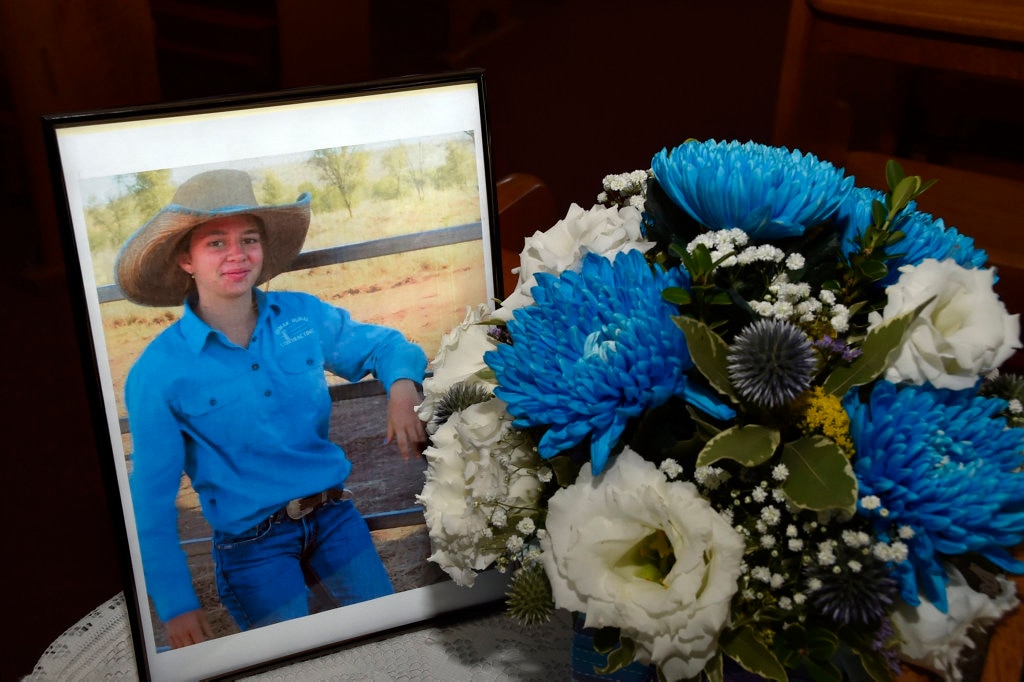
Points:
741	412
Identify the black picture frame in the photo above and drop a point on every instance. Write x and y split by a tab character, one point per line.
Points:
98	158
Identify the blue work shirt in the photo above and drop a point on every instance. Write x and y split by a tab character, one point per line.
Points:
248	425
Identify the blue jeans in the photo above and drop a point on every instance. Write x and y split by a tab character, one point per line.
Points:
282	568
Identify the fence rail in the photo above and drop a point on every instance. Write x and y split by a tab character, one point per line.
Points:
371	248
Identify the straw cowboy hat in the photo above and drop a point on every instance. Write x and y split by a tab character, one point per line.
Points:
147	268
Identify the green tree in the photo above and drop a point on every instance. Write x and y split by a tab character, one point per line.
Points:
459	165
109	223
395	161
418	171
272	189
151	191
342	168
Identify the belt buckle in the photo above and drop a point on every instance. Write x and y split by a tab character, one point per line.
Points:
302	506
296	510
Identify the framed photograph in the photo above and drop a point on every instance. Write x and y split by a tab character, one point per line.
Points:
395	177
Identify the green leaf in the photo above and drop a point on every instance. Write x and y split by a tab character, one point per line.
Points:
894	237
874	270
749	445
820	476
893	173
620	658
743	646
906	189
710	354
821	671
487	374
677	295
606	639
715	668
821	643
809	652
720	298
878	212
697	262
877	347
873	664
564	469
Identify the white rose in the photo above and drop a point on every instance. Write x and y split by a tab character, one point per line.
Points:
460	356
963	333
601	230
474	471
593	524
935	640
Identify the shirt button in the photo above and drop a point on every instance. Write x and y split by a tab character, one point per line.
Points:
309	361
213	401
255	366
266	393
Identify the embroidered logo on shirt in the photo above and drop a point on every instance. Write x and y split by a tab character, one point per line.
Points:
293	330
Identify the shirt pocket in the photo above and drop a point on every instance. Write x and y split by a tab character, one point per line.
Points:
301	357
210	399
302	383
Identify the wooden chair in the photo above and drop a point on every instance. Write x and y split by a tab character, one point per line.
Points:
525	206
982	38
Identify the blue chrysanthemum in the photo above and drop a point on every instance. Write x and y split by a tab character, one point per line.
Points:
597	348
926	236
768	192
944	466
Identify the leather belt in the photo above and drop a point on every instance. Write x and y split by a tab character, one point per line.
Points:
302	506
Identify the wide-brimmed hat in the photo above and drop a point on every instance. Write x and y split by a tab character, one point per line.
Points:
147	267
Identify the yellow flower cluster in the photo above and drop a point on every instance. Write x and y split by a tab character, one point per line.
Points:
825	415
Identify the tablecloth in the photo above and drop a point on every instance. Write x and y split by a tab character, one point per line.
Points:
487	646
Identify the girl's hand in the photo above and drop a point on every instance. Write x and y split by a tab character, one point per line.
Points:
190	627
403	423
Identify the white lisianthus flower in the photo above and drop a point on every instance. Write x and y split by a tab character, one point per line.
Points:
593	529
961	334
472	464
600	230
935	640
460	356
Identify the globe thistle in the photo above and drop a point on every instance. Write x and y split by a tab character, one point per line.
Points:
855	589
771	362
529	595
1009	387
457	398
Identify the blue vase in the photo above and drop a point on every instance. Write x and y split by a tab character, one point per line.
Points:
586	661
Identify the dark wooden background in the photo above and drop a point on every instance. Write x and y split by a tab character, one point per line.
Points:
577	89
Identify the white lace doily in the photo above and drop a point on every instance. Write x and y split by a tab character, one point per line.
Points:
488	647
97	647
